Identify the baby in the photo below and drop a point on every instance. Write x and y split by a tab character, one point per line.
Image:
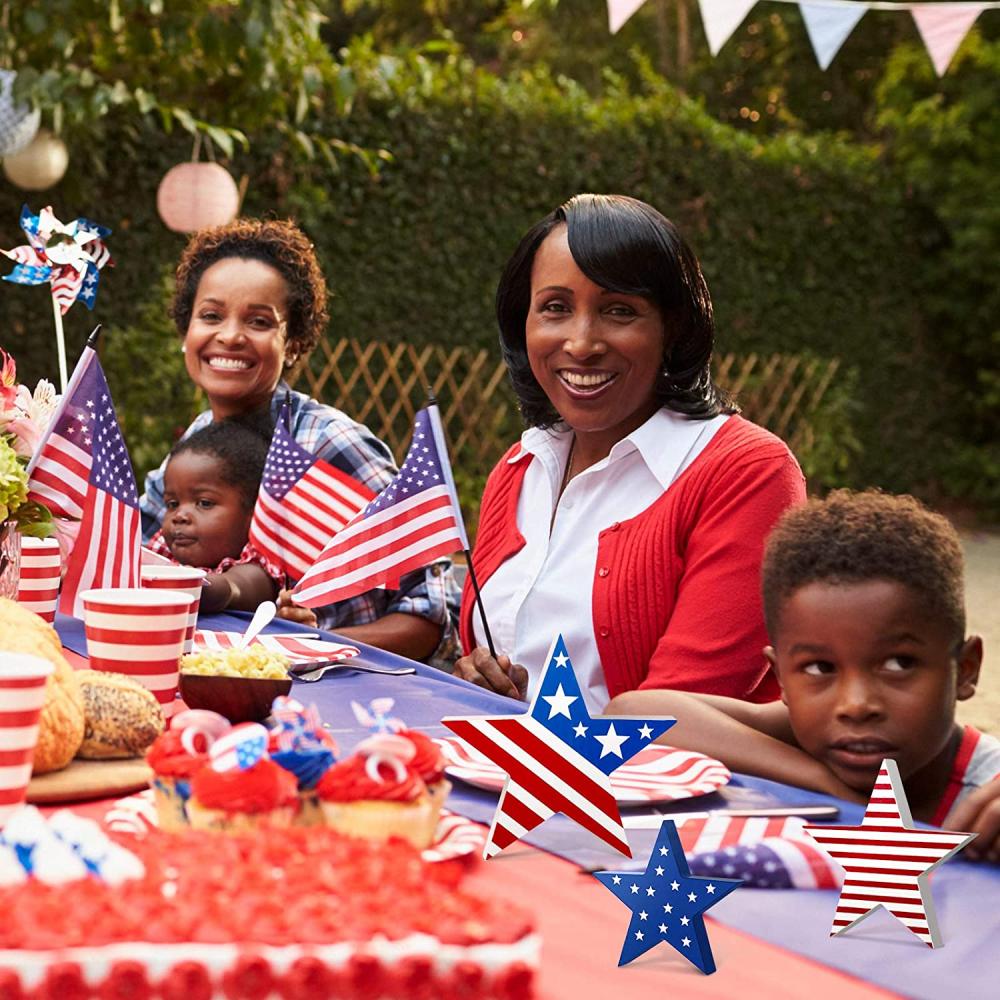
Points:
210	488
863	596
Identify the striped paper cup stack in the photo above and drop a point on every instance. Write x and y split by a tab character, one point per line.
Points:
185	578
38	589
22	694
139	632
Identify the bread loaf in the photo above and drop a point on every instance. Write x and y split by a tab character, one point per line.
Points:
60	730
122	718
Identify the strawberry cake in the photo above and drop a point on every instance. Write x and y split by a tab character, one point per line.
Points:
300	914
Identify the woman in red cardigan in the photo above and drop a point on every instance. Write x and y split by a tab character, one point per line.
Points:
632	514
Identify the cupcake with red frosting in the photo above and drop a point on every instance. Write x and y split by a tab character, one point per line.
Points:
376	794
243	799
175	757
428	761
241	788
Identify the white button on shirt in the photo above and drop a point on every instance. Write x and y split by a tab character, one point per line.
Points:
546	588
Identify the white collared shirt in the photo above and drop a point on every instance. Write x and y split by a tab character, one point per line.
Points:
546	588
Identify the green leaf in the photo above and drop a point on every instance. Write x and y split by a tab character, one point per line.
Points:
221	138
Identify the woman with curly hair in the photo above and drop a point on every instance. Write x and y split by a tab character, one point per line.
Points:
250	306
632	514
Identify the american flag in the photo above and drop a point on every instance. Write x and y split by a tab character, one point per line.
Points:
302	503
667	902
558	758
764	852
887	862
414	520
83	472
240	748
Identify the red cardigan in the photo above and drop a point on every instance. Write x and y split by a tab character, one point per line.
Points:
676	592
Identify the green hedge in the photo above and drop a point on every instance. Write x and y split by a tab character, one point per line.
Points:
807	244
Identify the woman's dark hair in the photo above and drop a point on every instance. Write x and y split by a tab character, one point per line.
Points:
240	446
276	242
625	246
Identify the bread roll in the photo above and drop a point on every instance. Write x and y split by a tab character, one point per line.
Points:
60	730
122	717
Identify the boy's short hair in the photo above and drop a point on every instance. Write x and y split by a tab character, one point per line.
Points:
240	444
855	537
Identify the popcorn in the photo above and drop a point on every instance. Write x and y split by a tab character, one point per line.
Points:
255	661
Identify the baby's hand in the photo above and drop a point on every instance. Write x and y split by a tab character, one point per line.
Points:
293	612
979	813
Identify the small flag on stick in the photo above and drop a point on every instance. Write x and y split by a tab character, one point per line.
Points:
302	503
413	521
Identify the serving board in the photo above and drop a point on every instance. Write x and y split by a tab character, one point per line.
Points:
90	779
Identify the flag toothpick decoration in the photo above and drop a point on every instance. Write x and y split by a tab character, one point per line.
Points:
82	472
302	503
667	902
887	862
67	257
413	521
557	758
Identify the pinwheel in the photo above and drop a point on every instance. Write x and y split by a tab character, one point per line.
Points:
68	257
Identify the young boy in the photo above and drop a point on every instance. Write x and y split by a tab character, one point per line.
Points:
210	489
863	597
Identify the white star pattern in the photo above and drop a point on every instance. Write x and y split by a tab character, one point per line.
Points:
580	729
611	742
559	703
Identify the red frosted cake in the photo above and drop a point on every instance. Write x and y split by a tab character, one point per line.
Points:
295	914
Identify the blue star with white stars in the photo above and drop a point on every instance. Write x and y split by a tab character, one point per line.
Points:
668	902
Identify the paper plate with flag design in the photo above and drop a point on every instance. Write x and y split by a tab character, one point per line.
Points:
655	774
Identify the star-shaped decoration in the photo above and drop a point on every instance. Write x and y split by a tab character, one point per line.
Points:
684	929
887	835
558	758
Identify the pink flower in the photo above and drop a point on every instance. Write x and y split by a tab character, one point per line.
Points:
8	380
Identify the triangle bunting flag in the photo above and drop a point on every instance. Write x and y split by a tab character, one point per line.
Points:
828	28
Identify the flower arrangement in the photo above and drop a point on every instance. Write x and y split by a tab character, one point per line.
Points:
24	418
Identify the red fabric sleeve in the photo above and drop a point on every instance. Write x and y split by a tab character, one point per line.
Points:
716	633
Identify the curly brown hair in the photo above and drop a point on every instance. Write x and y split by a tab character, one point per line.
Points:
855	537
276	242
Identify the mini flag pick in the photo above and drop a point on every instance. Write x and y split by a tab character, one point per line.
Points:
887	862
68	257
240	748
557	758
667	902
376	715
296	725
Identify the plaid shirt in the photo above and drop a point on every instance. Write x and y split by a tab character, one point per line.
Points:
331	435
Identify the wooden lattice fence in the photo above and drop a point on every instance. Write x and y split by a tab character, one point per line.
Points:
383	385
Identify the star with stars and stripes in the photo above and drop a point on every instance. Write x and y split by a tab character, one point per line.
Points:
558	758
887	862
667	902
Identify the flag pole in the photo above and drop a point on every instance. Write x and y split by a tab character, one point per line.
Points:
432	401
60	345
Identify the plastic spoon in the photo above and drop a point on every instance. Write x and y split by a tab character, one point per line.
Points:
262	617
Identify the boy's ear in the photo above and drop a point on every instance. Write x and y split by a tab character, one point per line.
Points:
772	658
970	659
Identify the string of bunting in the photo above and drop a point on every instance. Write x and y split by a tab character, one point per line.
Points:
942	26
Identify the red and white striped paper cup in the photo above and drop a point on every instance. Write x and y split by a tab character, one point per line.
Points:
184	578
22	694
38	589
138	631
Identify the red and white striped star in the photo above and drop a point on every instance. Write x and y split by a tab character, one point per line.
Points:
887	862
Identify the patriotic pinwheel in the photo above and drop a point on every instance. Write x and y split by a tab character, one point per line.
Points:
68	257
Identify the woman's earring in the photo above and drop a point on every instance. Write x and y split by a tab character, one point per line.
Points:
183	348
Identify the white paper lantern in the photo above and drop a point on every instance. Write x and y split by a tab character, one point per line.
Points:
18	123
194	196
40	164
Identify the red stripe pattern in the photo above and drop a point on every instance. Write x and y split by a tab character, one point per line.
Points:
38	587
887	862
656	774
413	521
303	502
83	472
188	580
22	694
558	759
139	633
298	649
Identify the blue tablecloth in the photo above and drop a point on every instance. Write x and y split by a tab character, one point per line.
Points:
880	951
